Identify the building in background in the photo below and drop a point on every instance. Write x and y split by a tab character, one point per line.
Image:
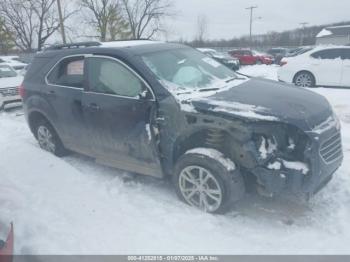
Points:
336	35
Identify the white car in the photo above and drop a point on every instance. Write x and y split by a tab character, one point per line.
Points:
321	66
13	61
10	80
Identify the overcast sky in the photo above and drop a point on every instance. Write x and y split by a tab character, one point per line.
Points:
228	18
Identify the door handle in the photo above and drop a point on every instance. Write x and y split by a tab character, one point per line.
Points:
51	93
93	107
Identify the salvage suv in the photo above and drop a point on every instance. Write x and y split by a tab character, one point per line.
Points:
167	110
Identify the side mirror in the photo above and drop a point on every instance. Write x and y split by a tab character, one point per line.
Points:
143	95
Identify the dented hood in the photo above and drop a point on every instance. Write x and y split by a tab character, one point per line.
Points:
260	99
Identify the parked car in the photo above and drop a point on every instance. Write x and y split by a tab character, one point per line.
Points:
163	109
294	53
13	61
322	66
10	80
278	53
248	57
223	58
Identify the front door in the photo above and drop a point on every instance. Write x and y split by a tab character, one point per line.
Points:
120	110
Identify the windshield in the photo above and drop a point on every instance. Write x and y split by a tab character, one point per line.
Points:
188	68
6	71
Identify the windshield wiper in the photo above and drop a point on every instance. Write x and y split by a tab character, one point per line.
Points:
231	79
208	89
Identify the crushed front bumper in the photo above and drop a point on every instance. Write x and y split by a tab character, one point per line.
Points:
325	157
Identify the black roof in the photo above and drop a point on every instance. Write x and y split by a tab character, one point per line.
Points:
132	47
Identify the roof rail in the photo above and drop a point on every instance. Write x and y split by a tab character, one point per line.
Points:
72	45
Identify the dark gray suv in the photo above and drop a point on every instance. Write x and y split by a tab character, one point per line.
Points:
168	110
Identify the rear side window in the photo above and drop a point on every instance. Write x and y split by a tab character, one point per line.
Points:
346	54
327	54
108	76
68	72
236	52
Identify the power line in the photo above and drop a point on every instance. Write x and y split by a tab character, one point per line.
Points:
303	24
61	22
251	8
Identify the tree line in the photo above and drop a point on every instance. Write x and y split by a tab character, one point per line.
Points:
290	38
28	24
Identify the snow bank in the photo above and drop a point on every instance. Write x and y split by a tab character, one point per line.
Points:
75	206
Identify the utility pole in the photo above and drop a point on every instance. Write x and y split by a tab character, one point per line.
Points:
251	8
61	22
303	24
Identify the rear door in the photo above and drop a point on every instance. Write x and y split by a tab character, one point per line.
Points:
346	68
120	110
64	90
249	58
326	65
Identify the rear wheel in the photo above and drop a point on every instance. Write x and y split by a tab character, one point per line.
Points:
304	79
205	183
48	138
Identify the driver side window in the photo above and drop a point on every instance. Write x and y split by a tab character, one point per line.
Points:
108	76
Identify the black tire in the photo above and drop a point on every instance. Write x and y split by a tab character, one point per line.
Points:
58	149
231	182
309	79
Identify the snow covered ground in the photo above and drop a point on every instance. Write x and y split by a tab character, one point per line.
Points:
75	206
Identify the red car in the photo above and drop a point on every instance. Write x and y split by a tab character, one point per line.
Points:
249	57
6	247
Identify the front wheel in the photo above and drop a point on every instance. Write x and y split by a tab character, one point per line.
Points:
304	79
48	139
207	183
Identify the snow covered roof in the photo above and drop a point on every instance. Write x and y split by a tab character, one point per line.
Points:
335	31
206	50
324	32
128	43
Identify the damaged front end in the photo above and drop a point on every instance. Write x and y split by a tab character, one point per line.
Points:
290	160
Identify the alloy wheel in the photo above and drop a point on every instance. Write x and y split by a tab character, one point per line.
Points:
200	188
304	80
45	139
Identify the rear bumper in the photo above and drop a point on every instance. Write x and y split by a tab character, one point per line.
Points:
320	171
9	99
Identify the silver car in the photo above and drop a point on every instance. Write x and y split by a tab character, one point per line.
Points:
10	80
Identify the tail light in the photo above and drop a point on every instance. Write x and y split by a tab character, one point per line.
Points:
21	91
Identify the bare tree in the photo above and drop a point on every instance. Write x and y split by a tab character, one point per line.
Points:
118	28
106	18
202	28
30	21
145	16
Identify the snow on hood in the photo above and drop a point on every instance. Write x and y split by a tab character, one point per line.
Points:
244	110
269	100
6	82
